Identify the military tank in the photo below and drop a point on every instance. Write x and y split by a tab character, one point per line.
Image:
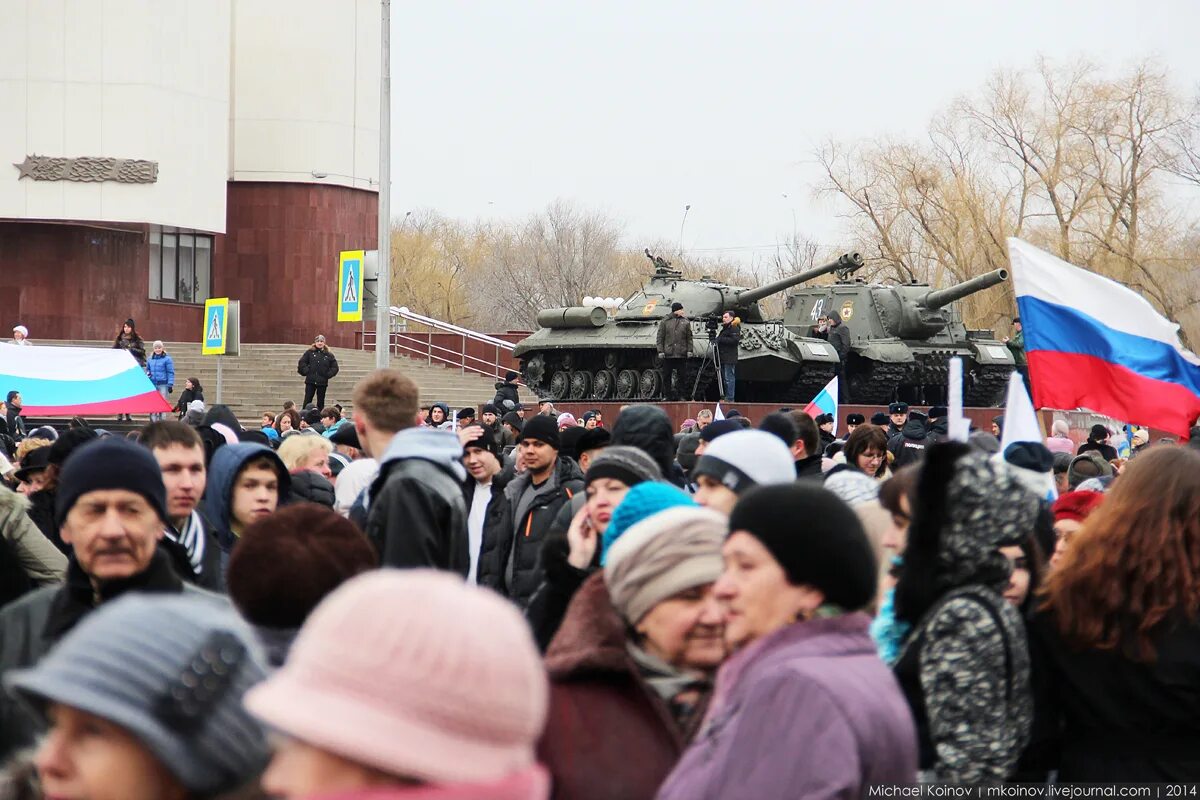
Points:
902	336
579	353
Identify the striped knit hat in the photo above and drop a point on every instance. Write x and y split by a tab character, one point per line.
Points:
171	670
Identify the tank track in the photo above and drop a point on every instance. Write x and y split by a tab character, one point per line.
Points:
988	386
878	387
811	379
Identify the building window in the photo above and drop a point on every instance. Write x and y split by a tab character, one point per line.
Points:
180	265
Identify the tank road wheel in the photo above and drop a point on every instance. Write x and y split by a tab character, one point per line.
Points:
581	384
604	384
650	385
627	384
560	384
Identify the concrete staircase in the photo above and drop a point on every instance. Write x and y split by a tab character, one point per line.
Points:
264	376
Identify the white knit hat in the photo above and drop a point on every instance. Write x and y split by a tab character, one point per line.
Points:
744	459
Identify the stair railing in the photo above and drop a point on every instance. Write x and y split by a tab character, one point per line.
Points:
470	351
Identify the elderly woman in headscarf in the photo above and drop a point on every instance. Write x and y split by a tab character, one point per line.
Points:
631	666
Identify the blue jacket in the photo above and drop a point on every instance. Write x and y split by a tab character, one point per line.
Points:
227	462
162	369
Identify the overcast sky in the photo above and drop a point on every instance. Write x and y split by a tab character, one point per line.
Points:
640	108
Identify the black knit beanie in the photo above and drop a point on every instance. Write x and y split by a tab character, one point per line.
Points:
815	537
485	441
110	463
542	428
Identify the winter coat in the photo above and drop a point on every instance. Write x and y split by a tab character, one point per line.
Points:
417	516
727	343
909	446
675	337
223	470
41	511
1106	451
808	711
531	783
16	423
187	396
809	469
318	366
507	396
839	337
649	429
310	487
939	431
35	623
1060	444
510	559
560	579
13	581
1121	720
40	560
134	344
1016	346
609	735
162	369
965	672
210	576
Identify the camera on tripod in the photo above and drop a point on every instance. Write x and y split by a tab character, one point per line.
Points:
710	326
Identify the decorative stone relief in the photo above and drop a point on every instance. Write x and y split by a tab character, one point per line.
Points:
88	169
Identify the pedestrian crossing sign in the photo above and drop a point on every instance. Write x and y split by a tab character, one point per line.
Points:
216	326
350	285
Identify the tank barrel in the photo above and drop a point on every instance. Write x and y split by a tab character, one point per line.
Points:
847	261
940	297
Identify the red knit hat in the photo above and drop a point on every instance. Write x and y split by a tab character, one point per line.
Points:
1076	505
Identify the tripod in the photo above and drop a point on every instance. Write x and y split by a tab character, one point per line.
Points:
712	357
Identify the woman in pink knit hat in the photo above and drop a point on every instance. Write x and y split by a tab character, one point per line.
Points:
407	685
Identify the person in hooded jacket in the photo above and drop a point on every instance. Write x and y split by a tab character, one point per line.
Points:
511	561
649	429
631	667
246	482
939	425
908	446
964	665
439	417
507	394
416	513
1097	441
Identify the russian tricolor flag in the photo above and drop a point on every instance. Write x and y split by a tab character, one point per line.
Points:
1093	343
69	381
826	402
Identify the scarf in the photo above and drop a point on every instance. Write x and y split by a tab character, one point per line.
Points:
192	539
78	597
669	684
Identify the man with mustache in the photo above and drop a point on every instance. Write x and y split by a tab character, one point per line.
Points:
111	508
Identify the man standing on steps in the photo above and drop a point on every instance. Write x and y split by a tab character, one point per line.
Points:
318	365
674	346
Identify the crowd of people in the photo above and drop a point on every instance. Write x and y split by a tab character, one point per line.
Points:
508	602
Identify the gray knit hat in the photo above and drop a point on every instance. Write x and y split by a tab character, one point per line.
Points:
172	672
627	464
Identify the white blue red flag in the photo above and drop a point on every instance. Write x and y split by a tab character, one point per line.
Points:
1093	343
69	381
826	402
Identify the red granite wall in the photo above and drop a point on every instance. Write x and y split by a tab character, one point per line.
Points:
76	281
279	257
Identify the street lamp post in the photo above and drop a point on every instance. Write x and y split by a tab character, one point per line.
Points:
683	222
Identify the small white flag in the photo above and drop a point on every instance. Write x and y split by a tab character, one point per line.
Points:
718	414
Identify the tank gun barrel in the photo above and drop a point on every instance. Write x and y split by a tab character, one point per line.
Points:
940	297
849	262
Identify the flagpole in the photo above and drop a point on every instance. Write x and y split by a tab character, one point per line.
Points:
383	302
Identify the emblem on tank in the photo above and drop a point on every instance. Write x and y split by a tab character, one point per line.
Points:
88	169
847	309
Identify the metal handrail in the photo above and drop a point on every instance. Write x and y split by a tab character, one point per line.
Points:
404	313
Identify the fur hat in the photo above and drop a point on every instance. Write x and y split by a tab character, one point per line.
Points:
285	563
855	419
879	419
593	439
898	408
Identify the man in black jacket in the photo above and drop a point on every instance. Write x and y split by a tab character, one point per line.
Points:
507	394
416	514
112	508
511	559
727	351
1097	441
674	346
318	365
483	491
806	450
839	337
908	446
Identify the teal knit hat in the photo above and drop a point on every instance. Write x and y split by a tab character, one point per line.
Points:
640	502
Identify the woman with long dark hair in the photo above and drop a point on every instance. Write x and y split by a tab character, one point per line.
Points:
1120	629
192	390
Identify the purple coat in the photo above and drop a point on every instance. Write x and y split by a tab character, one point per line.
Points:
809	711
